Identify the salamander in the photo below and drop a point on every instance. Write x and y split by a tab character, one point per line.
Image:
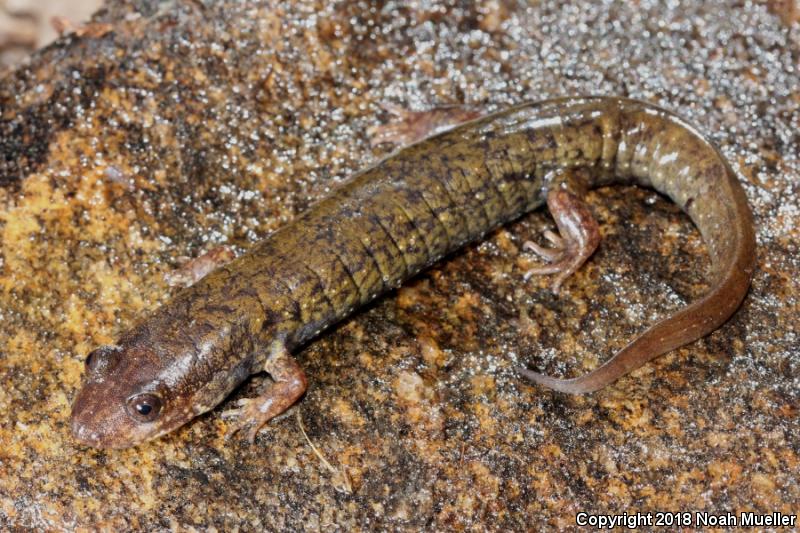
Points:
391	221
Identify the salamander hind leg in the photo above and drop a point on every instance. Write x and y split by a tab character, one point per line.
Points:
578	239
289	384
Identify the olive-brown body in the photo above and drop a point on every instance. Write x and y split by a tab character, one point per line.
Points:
391	221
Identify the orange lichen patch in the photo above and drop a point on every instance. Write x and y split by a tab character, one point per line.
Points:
603	458
544	317
585	417
112	292
43	247
72	370
658	456
764	490
430	351
483	384
367	360
377	394
505	241
542	482
486	417
411	294
135	472
18	349
769	458
526	326
39	206
420	408
788	410
11	451
790	459
486	483
43	205
493	14
466	306
552	452
343	410
719	439
411	389
40	438
629	412
724	472
617	491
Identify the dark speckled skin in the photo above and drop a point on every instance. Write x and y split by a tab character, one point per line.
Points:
394	219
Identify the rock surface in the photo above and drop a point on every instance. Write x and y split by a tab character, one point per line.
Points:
191	124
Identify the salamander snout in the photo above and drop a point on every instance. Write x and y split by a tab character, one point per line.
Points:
119	405
99	421
103	418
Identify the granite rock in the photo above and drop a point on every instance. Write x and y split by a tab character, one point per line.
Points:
191	124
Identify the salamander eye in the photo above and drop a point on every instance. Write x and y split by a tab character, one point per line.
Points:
144	407
101	358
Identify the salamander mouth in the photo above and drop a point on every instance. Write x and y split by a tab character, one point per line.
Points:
84	435
100	422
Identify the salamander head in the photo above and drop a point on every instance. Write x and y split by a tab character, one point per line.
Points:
125	400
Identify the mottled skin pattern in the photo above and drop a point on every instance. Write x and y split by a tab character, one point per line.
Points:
388	223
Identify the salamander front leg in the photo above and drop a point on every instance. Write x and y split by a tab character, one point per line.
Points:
578	239
408	127
289	384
